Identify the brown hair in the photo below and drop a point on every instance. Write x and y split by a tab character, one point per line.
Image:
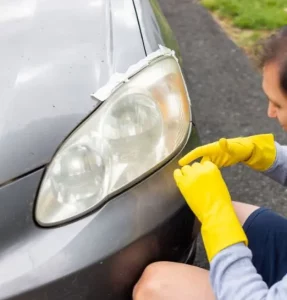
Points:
274	49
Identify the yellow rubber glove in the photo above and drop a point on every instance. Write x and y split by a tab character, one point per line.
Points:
207	195
258	152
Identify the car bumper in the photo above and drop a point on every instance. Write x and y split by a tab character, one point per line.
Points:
101	255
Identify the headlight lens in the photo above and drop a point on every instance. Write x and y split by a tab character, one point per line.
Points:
141	124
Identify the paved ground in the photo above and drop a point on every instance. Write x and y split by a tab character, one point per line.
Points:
227	97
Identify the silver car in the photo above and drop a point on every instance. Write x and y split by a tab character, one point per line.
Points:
95	112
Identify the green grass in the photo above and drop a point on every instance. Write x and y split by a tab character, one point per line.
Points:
251	14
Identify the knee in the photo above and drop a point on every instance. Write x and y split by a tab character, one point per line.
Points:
149	285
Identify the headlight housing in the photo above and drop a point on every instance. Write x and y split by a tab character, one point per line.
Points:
145	117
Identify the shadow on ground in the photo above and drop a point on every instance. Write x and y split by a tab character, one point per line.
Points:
227	98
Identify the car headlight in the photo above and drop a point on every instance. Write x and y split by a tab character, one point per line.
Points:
144	119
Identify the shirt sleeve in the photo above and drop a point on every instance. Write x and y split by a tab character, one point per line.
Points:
233	276
278	171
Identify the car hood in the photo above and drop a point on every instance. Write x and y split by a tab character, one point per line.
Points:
54	54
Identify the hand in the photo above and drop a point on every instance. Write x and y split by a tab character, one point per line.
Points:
258	152
207	195
203	188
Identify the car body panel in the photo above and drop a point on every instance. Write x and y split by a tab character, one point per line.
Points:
155	29
102	254
150	221
54	55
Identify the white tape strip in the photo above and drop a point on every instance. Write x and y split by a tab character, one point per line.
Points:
118	79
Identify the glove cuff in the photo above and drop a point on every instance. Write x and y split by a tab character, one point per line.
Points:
264	153
220	235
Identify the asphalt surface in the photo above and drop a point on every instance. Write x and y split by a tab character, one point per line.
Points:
227	98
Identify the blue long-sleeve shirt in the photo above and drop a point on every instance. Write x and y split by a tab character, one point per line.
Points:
232	273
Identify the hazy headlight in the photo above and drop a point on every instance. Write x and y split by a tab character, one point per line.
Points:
142	123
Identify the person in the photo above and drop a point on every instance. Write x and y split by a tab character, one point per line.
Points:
245	245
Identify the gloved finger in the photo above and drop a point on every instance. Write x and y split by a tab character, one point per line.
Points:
210	167
232	147
177	175
204	159
216	160
196	169
223	144
206	150
186	170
